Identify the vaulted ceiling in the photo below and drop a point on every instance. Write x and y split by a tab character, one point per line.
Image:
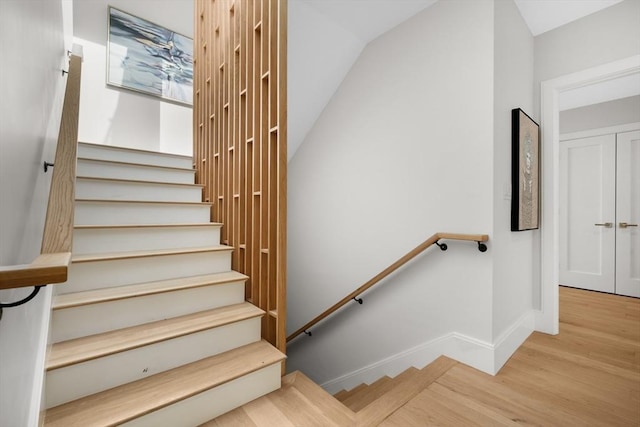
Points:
327	36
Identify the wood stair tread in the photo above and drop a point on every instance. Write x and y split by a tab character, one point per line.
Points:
79	350
137	181
129	291
329	406
177	225
345	394
406	389
373	391
366	395
142	165
148	253
300	402
129	401
341	395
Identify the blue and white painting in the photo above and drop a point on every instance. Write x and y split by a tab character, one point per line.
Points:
148	58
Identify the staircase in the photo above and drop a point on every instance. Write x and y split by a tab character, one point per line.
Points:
152	327
302	403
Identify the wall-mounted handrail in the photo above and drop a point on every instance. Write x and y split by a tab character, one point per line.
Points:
479	238
55	254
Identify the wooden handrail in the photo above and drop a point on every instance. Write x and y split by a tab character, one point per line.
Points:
387	271
55	254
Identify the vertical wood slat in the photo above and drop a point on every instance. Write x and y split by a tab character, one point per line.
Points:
240	144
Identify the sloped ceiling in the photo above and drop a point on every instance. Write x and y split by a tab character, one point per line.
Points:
545	15
326	37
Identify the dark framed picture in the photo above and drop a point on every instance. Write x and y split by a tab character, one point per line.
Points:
525	172
147	58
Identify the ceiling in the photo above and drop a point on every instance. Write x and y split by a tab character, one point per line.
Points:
544	15
382	15
327	36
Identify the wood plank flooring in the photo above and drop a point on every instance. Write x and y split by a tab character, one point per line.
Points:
587	375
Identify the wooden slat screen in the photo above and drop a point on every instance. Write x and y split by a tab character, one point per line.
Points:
240	149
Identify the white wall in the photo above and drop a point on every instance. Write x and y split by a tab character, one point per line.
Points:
404	149
513	88
596	39
605	114
600	38
32	35
320	53
120	117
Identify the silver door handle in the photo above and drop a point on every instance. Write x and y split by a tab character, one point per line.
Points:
625	225
606	224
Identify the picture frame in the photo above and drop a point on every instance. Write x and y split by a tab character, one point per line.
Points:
147	58
525	172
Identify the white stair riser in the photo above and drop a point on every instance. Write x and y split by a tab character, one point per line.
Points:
102	274
75	381
70	323
115	154
97	213
139	191
210	404
134	172
105	240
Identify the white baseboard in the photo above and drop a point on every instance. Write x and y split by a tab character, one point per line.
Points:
476	353
418	356
510	340
470	351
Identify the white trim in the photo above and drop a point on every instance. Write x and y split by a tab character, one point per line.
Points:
37	406
600	131
470	351
547	319
511	339
476	353
418	356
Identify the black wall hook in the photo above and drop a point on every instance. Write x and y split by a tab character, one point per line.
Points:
47	165
359	300
307	333
482	247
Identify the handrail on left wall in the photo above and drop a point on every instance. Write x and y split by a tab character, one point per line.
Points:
52	264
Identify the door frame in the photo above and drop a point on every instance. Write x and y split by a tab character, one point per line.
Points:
547	316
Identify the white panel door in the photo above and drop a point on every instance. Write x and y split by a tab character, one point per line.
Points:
628	214
587	213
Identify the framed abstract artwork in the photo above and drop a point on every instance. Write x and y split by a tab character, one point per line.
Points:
525	172
150	59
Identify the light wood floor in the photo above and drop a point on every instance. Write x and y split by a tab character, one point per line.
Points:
588	375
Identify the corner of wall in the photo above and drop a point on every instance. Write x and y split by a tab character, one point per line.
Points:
514	262
510	340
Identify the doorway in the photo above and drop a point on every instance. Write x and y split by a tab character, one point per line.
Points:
547	316
599	211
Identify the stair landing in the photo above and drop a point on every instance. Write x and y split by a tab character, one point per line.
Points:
301	402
